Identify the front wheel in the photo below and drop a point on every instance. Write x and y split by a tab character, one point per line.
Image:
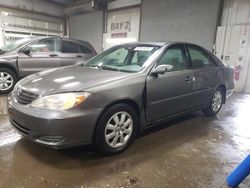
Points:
8	80
116	129
215	104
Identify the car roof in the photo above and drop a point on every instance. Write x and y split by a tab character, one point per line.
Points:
161	44
47	37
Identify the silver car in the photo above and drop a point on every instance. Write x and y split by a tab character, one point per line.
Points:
116	95
29	55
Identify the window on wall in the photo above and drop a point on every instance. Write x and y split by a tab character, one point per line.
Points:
199	58
70	47
174	56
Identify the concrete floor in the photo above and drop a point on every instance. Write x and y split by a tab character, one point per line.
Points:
193	151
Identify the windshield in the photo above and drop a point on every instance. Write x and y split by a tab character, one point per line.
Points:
13	45
125	59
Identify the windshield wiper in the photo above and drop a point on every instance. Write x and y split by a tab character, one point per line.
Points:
99	66
109	68
105	67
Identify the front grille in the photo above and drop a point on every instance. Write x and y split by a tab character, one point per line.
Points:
24	97
23	130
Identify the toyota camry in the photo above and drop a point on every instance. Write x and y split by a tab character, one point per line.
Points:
116	95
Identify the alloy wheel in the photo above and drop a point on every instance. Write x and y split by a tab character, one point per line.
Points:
119	129
6	81
217	101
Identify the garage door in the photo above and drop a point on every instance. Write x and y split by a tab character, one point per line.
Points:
87	27
180	20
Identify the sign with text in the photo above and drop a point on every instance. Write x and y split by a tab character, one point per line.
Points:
120	24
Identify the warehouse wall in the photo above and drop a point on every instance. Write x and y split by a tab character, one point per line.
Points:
233	40
36	6
17	24
87	27
181	20
236	12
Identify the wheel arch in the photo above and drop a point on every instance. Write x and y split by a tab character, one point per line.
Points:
224	89
127	101
10	67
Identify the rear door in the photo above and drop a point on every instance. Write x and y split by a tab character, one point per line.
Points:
171	92
44	54
73	53
206	76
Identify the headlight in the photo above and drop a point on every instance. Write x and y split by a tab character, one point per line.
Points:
62	101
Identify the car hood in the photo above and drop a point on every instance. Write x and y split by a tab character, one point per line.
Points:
68	79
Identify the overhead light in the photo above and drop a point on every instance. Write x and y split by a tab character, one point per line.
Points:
93	3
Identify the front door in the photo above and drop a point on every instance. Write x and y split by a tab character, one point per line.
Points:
171	92
44	54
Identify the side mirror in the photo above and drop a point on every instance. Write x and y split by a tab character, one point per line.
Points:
161	69
26	51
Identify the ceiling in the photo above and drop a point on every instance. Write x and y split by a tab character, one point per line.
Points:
69	2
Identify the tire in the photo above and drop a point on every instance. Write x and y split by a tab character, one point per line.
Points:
119	128
8	79
215	103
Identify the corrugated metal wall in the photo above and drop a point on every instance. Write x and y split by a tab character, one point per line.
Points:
87	27
180	20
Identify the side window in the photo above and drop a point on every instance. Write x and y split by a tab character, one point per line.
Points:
174	56
45	45
70	47
199	58
85	50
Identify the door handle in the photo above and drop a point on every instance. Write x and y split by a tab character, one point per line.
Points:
79	56
53	55
188	79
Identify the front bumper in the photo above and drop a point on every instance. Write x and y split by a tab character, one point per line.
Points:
57	129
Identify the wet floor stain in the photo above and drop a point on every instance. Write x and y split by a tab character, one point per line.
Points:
192	151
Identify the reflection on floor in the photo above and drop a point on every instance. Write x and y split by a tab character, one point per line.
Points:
193	151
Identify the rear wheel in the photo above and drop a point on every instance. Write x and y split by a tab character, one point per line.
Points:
215	104
8	80
116	129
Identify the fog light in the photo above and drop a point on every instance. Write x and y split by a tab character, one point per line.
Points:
50	140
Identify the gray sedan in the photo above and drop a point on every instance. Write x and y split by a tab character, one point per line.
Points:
116	95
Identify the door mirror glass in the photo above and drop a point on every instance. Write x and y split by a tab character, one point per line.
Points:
161	69
26	51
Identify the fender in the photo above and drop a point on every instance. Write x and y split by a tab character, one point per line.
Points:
11	64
